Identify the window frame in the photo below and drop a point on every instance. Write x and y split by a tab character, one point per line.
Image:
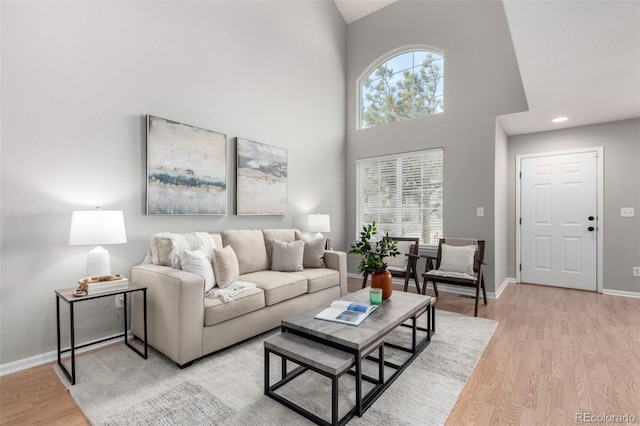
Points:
381	60
359	214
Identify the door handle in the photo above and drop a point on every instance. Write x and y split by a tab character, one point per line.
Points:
591	218
591	228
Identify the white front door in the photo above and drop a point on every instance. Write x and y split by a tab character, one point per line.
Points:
559	220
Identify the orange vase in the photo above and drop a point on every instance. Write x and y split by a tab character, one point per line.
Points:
383	280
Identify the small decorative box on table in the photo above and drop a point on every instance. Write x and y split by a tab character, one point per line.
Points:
67	296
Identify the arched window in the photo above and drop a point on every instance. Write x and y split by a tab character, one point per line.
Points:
407	85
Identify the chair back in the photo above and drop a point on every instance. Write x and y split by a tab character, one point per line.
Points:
415	246
401	260
478	257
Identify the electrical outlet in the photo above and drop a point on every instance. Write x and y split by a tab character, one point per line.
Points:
636	271
119	301
480	211
627	212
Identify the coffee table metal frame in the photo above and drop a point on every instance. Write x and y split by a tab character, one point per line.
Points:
423	304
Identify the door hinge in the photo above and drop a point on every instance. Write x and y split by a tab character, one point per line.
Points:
520	221
521	266
520	175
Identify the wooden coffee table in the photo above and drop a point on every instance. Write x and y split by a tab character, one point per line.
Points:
401	309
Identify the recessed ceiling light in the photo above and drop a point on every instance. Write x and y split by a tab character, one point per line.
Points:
560	119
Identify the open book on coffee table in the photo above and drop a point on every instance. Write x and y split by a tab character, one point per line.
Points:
346	312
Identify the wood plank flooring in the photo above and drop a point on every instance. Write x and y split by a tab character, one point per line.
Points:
556	353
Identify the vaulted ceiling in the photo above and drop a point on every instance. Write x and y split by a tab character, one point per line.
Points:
577	59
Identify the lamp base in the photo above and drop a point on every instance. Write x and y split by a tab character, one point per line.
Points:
319	235
98	263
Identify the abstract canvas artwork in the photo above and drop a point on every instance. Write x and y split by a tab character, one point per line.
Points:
261	179
186	169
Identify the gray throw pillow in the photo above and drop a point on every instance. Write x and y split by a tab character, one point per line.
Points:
287	257
314	253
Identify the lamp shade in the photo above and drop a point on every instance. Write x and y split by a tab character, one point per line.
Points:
318	223
97	227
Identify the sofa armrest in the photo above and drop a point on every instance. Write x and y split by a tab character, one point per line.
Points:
175	311
338	260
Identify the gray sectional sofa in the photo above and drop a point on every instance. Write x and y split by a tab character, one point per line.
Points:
185	325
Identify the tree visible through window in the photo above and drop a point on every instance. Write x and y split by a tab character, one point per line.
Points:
406	86
402	193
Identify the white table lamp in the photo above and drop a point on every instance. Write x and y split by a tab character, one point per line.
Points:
95	228
318	223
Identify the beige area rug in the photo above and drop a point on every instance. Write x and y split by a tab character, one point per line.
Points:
117	387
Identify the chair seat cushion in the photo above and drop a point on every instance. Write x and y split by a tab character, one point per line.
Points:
217	311
320	278
277	286
448	274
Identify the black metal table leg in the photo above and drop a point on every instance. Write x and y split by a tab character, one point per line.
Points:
73	345
58	328
144	299
124	298
359	405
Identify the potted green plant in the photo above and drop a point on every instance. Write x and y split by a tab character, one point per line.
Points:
373	256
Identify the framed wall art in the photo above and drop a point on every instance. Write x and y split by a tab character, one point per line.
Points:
186	169
261	184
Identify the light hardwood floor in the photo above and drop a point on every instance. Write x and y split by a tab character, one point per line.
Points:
555	353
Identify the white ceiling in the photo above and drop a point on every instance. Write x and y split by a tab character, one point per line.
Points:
579	59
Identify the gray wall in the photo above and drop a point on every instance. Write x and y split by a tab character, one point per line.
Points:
77	80
621	142
481	82
501	206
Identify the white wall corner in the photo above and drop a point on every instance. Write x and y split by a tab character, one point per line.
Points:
504	285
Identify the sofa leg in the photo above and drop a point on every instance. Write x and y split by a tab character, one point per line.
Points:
184	365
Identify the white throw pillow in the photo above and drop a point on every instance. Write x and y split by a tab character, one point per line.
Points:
287	257
197	262
457	259
225	266
400	261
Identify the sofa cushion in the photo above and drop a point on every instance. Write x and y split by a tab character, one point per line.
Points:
166	248
284	235
320	278
314	253
217	311
277	286
197	262
160	250
225	266
250	249
287	257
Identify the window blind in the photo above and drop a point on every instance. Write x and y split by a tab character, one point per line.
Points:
402	193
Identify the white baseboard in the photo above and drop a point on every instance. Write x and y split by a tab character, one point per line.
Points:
621	293
36	360
504	285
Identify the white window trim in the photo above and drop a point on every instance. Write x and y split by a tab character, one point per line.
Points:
424	248
381	60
